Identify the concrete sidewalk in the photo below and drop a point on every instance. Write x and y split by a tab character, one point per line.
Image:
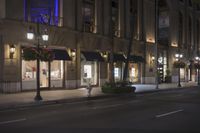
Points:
24	99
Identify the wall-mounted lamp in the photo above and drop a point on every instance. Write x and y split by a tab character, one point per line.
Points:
12	51
150	40
73	54
105	55
153	58
174	44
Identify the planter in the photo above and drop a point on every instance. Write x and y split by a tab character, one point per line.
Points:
117	88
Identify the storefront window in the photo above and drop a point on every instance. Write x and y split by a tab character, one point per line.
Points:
88	73
28	70
133	72
29	74
116	72
57	73
44	74
57	70
182	74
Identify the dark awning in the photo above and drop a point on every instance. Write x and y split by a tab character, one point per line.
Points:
61	54
92	56
118	57
136	59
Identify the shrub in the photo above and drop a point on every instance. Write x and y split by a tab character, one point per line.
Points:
119	87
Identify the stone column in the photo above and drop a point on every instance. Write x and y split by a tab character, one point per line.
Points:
79	15
69	13
99	5
2	9
1	62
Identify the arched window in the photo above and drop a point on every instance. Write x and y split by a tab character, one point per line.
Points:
115	16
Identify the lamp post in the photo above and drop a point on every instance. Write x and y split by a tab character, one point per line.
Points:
197	58
178	57
44	37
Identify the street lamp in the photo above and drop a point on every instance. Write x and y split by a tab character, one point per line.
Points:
197	58
178	57
30	36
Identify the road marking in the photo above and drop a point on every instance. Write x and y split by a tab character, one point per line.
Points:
109	106
169	113
12	121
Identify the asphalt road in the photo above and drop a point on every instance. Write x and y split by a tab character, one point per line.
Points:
168	111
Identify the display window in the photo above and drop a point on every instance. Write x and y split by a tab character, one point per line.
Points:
118	67
28	70
29	75
88	73
133	72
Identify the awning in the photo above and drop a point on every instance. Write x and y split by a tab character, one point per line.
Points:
136	59
61	54
92	56
118	57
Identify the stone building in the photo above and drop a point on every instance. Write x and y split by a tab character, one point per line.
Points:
84	33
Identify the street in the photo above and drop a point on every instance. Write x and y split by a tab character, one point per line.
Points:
164	111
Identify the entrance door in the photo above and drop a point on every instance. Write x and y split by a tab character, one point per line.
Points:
44	74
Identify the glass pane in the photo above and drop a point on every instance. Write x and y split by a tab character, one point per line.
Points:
28	70
44	74
57	74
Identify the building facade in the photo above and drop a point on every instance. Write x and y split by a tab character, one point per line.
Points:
84	33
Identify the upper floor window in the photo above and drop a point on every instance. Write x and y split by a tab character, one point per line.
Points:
88	11
115	16
190	30
180	29
42	11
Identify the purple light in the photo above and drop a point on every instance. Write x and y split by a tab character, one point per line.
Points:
56	8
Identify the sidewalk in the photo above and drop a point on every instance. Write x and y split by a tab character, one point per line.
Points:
24	99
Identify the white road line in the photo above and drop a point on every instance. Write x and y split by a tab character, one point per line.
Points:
108	106
169	113
12	121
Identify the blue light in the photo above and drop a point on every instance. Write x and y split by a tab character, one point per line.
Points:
56	8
